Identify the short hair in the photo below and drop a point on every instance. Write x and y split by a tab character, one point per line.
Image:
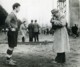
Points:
35	20
15	5
31	20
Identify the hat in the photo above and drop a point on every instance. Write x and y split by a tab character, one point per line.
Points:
54	11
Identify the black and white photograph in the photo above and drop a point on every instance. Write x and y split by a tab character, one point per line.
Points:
39	33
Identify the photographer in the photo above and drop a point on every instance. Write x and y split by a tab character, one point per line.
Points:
61	40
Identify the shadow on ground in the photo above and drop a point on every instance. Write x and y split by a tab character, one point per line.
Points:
24	60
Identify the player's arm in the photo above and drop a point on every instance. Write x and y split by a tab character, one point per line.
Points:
7	21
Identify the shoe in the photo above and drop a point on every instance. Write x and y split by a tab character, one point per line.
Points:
54	62
11	62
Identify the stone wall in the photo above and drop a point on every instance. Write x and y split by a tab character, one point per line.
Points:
74	12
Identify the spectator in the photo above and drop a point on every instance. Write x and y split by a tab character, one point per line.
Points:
36	31
31	31
75	30
23	30
47	31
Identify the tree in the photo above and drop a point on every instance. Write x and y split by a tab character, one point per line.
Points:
3	15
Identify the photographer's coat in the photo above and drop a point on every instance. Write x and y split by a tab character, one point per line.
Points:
61	39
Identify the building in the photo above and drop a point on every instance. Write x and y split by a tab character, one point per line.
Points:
71	10
74	12
61	5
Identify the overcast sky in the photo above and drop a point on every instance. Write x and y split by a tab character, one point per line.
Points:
32	9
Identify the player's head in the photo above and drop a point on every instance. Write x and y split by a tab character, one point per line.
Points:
16	7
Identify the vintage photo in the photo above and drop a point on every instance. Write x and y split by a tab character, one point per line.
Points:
39	33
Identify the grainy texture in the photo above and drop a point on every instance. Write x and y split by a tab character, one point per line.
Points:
74	12
41	55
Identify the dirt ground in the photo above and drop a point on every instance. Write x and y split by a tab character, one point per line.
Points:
41	54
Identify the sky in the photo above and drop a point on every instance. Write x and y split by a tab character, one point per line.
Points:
32	9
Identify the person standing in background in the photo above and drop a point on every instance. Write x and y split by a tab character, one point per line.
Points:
12	24
31	31
36	31
75	30
23	30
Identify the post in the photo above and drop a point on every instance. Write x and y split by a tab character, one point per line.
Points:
68	12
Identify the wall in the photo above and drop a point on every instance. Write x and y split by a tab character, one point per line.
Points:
74	12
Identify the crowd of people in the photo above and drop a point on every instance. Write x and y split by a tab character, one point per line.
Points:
33	31
61	39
